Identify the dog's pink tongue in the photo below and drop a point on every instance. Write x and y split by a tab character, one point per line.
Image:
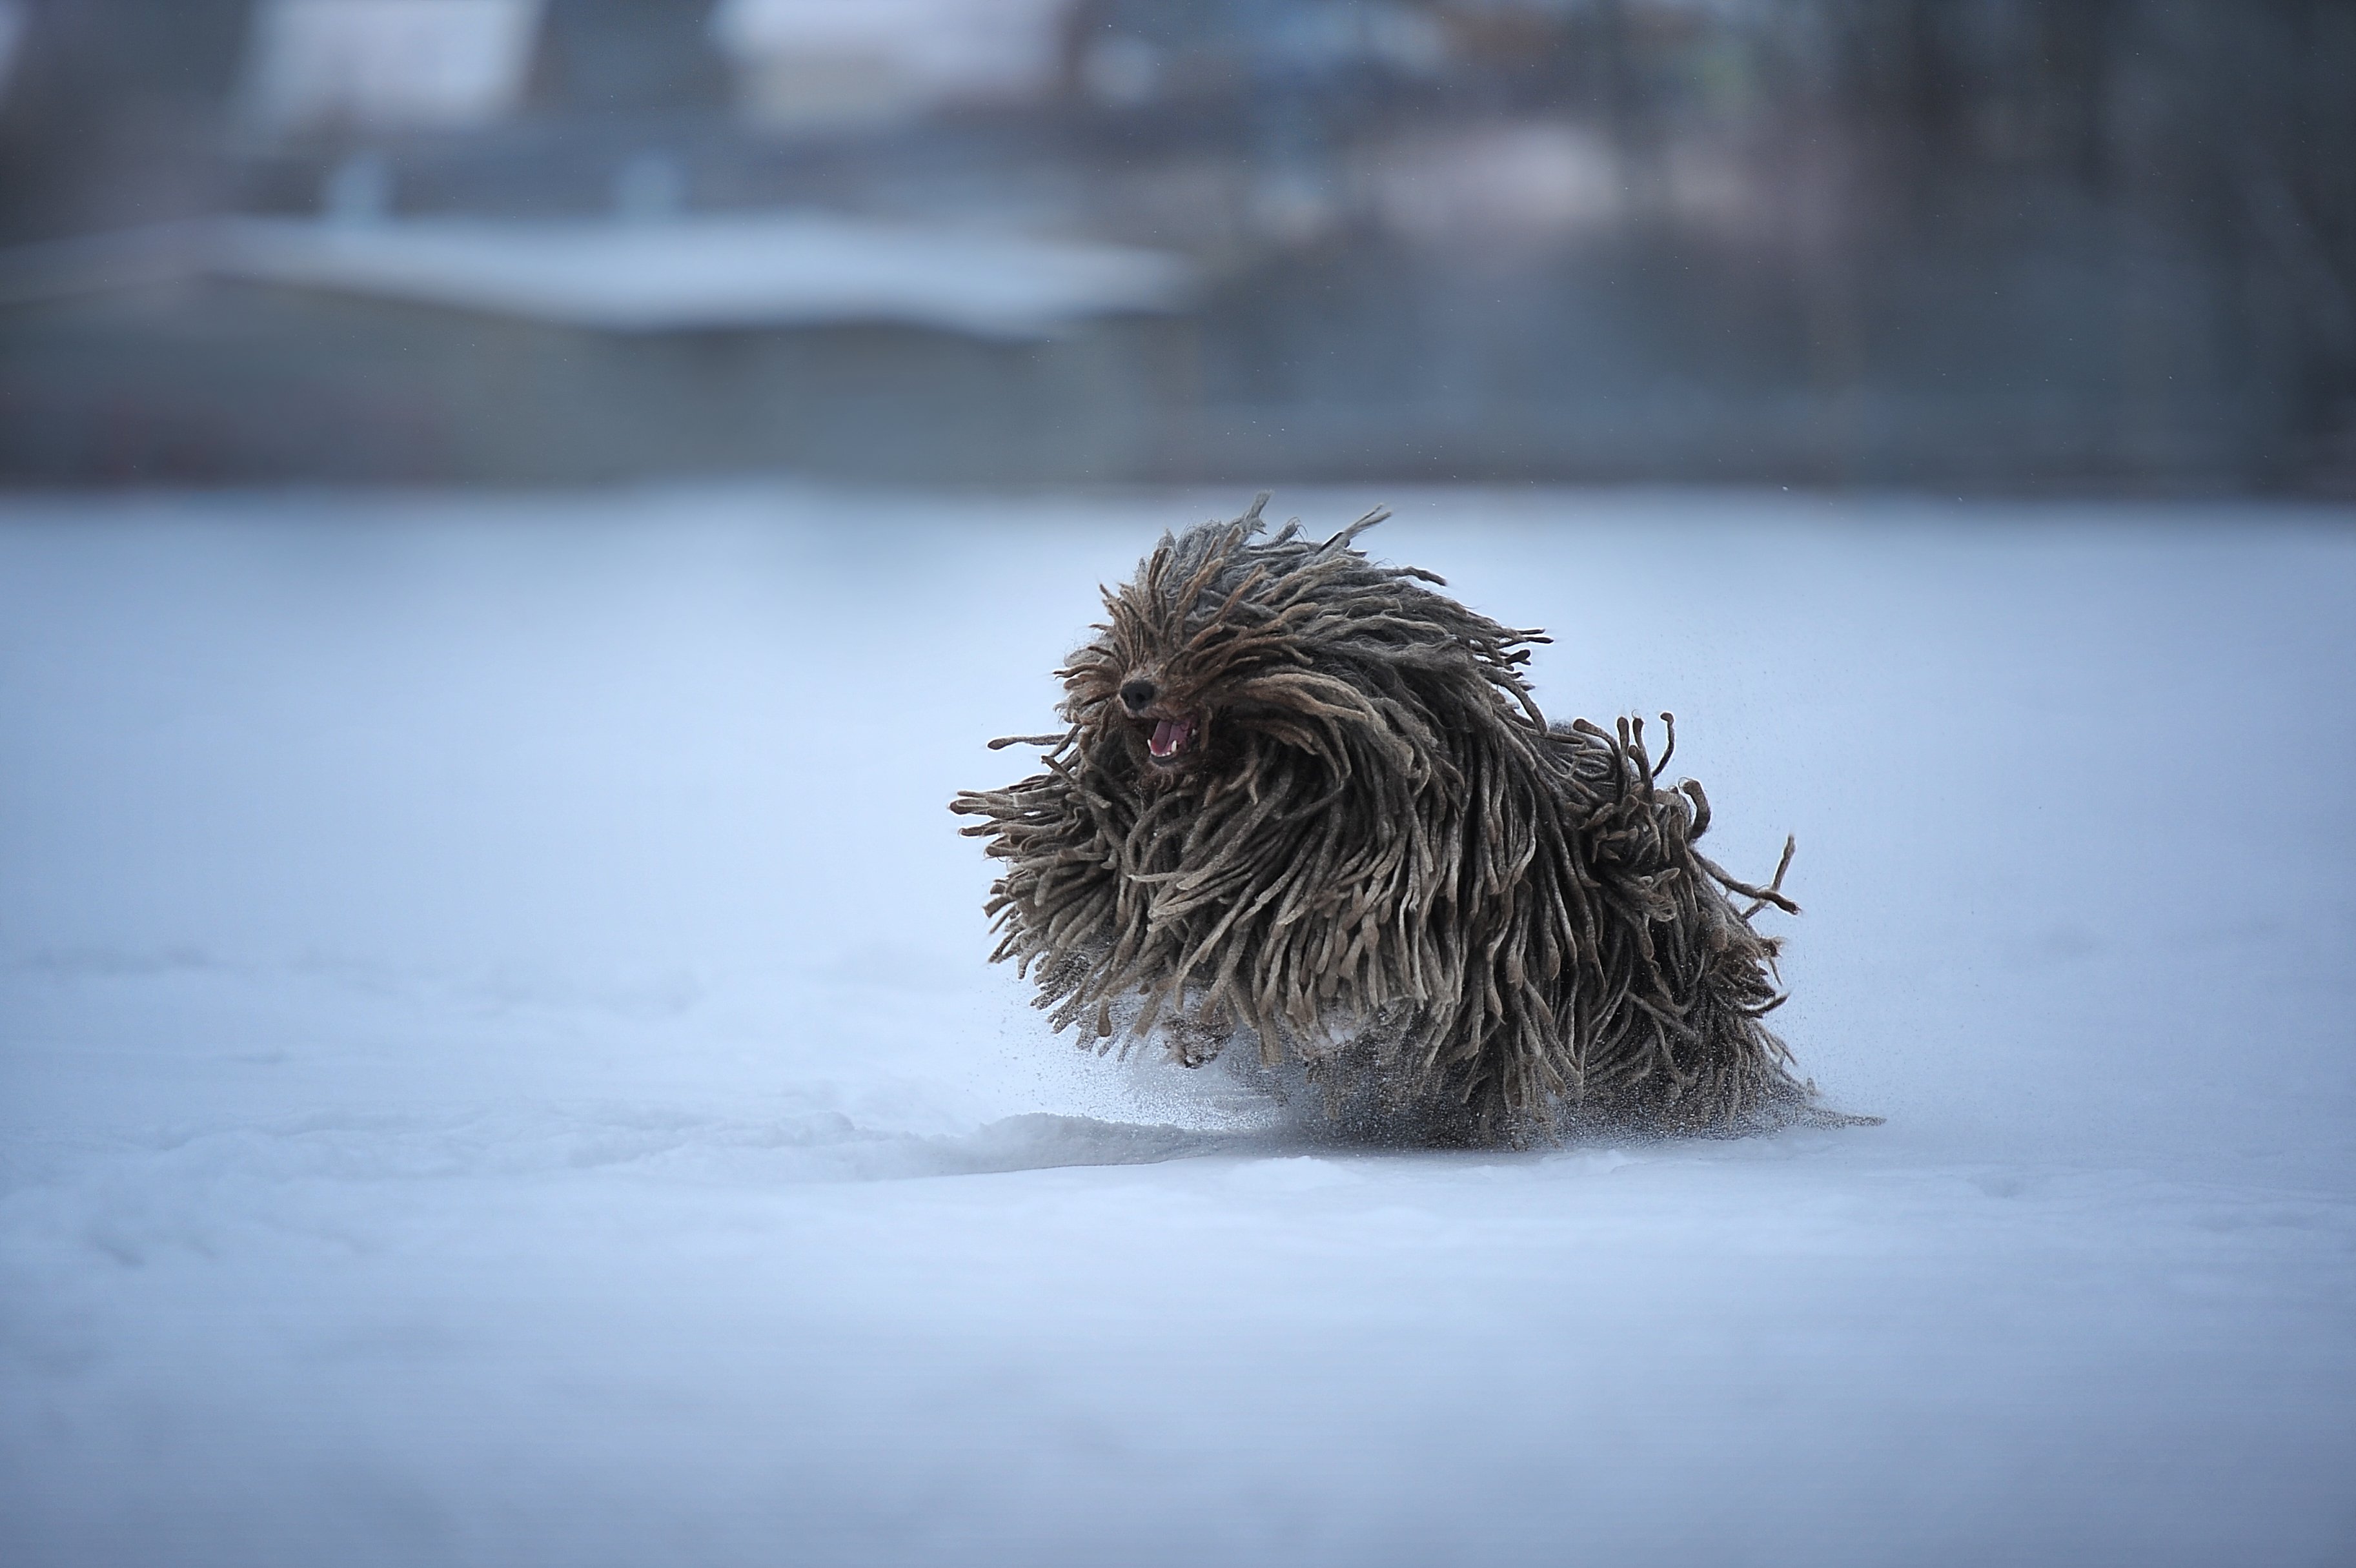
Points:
1170	734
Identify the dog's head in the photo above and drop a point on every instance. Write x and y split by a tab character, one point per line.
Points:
1233	652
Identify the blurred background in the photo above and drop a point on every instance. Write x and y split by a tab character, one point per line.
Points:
2001	245
516	516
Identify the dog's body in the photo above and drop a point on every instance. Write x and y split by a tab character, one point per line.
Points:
1303	797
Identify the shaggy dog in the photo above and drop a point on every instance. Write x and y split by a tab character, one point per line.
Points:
1306	801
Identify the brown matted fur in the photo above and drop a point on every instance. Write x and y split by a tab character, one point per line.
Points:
1303	799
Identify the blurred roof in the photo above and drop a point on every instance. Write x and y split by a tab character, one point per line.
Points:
687	274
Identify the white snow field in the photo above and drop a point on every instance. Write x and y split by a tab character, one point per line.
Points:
498	1064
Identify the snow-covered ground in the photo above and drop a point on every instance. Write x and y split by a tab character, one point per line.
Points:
496	1065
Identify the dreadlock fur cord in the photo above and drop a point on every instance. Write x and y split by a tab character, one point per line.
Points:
1306	803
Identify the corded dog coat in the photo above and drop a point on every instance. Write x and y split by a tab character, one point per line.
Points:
1306	799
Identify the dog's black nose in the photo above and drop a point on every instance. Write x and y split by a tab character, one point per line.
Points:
1138	696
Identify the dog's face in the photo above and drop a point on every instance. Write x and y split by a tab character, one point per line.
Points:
1235	658
1144	689
1221	647
1166	715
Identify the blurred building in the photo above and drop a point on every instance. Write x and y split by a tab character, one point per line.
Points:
2021	242
506	351
386	65
818	64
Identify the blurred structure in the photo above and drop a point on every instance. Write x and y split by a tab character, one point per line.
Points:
552	349
808	64
385	65
2013	243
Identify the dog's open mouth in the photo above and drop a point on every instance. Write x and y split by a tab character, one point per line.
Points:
1170	741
